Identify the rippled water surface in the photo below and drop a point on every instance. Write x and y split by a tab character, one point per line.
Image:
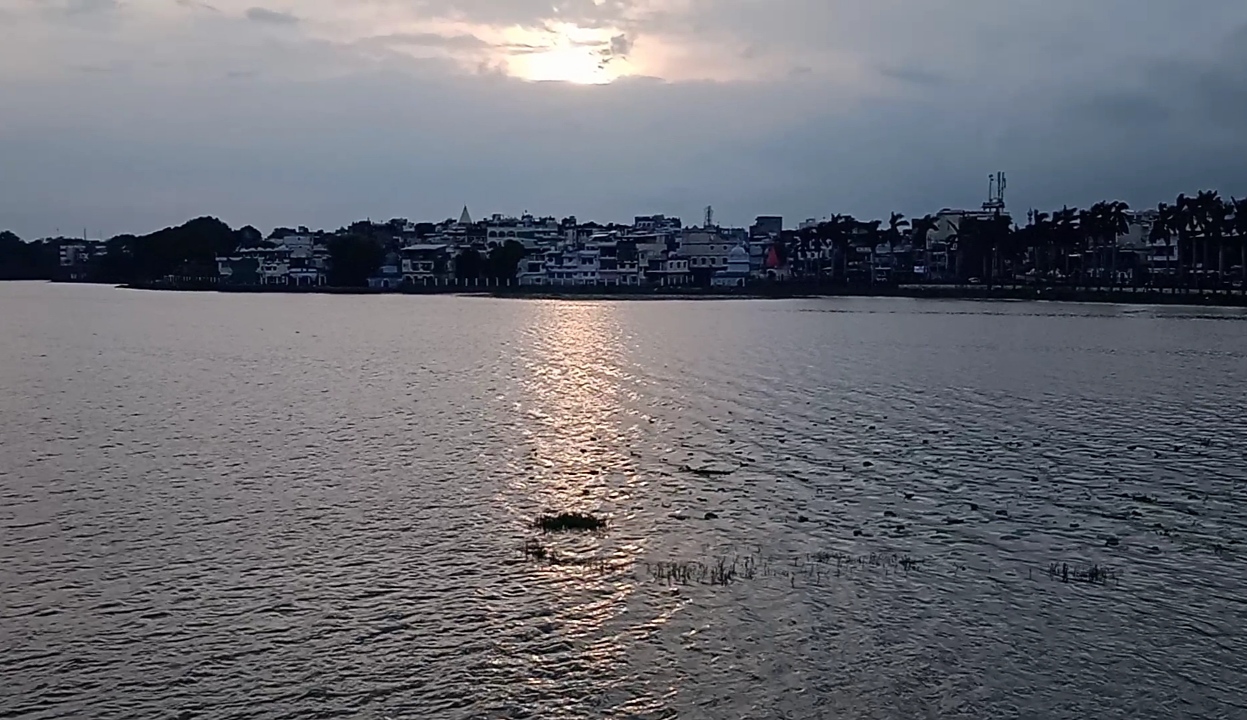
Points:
230	506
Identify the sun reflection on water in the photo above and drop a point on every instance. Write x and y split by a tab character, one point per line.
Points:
576	403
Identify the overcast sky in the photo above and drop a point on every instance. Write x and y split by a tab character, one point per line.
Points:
130	115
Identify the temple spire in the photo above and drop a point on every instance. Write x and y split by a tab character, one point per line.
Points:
465	218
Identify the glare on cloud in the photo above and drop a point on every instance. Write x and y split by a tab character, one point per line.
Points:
567	53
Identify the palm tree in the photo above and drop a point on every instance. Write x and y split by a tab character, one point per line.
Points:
1037	235
867	235
1208	215
1239	225
897	224
1115	222
1066	232
1183	224
807	239
1164	226
918	232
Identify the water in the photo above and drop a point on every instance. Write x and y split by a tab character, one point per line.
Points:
231	506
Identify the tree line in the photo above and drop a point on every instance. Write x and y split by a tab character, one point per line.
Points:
1205	235
189	253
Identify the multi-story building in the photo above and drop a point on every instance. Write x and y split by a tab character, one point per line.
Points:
706	249
77	258
427	263
261	266
767	226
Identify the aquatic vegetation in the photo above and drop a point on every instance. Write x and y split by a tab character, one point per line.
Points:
812	569
568	521
1093	574
534	550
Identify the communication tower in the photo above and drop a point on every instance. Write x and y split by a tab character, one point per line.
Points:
995	193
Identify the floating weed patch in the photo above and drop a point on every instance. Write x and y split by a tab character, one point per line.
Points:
708	471
1092	574
812	569
535	551
569	521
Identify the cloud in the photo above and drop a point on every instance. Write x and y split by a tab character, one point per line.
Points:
912	75
197	5
429	40
87	7
617	48
271	17
135	116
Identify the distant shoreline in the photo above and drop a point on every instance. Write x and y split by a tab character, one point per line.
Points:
1122	296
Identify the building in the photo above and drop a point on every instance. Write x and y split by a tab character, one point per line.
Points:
77	258
426	264
707	251
530	231
767	226
667	271
390	275
737	271
657	224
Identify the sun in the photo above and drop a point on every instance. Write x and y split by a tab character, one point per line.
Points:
561	64
577	65
564	53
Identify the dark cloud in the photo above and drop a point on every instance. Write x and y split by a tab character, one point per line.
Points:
430	40
912	75
620	45
271	17
617	48
197	5
88	7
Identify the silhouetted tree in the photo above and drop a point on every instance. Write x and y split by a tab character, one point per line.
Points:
504	260
353	259
469	265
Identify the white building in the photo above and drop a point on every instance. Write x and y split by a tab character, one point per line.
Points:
737	271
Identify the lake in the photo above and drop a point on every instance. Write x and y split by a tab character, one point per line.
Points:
267	506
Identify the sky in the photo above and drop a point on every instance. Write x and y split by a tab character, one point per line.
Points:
130	115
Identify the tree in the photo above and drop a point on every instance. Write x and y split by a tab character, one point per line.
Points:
1212	215
868	235
897	225
1184	221
1114	222
1066	233
353	259
504	260
469	265
1239	226
1164	228
248	236
920	229
26	261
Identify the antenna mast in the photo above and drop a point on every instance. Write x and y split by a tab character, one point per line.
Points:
995	193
